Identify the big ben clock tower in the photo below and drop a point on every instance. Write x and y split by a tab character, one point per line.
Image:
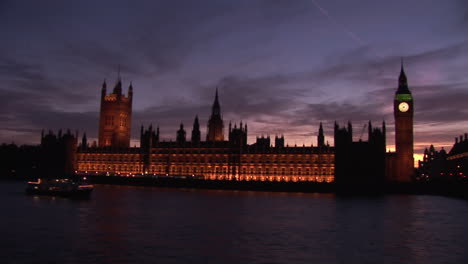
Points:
403	111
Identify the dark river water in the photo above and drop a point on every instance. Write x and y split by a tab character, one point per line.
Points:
153	225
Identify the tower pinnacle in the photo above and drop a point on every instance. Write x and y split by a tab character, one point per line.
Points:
216	108
196	131
402	81
103	90
215	123
320	137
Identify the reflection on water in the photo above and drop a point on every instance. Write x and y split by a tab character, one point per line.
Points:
149	225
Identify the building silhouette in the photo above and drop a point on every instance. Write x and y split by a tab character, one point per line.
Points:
441	166
457	159
359	163
217	158
58	154
433	166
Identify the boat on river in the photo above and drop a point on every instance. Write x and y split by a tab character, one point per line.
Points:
60	187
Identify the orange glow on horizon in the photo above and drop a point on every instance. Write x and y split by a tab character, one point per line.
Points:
417	157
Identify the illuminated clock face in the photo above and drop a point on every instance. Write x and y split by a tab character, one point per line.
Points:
403	107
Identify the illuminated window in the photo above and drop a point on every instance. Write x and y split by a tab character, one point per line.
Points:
123	121
109	120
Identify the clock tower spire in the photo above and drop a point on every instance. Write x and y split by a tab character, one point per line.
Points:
403	112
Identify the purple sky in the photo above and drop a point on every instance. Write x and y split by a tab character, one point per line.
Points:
282	66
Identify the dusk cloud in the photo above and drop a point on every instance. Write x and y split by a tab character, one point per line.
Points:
282	67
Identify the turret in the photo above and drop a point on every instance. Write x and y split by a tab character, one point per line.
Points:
320	137
181	134
196	131
157	133
279	142
263	142
84	141
141	136
103	90
130	92
369	130
350	131
384	132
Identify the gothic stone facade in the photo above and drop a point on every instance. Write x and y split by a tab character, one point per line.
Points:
231	159
215	158
220	161
115	117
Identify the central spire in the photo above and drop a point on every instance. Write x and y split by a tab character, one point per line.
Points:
215	123
216	110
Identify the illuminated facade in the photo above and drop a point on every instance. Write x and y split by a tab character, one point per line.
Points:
115	117
447	167
221	161
457	159
215	158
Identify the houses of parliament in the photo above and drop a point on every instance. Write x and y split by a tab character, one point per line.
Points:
225	155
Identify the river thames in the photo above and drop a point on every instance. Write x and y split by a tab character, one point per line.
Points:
121	224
